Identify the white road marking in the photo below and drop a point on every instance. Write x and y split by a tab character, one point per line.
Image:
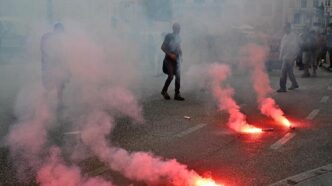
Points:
190	130
297	179
325	99
313	114
98	171
72	133
282	141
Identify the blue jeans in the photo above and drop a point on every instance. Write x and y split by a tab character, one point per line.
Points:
287	71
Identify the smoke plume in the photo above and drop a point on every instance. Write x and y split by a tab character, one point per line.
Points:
224	95
257	56
97	101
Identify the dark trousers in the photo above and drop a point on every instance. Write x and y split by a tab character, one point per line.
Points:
287	71
173	69
329	50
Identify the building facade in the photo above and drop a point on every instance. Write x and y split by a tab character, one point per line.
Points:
307	13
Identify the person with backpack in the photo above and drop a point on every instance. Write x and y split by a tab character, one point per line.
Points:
172	61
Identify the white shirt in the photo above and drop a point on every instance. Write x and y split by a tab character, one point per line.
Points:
289	47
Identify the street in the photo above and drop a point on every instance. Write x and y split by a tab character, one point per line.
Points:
194	132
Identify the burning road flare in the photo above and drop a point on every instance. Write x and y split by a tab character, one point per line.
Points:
199	181
224	96
249	129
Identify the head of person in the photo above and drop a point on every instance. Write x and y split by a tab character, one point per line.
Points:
176	28
287	28
58	27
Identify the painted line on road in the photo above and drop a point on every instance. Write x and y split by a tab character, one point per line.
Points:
297	179
313	114
99	170
282	141
325	99
190	130
72	133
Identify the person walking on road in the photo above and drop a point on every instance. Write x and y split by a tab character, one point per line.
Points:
53	70
172	61
289	50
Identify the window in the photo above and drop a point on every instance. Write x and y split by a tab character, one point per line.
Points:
316	3
297	18
303	3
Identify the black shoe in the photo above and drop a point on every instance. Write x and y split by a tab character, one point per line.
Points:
178	97
166	96
281	90
293	87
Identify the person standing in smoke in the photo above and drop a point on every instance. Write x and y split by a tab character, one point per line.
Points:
172	61
329	43
289	50
53	71
309	49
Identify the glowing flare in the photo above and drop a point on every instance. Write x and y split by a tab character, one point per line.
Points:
283	120
206	182
251	129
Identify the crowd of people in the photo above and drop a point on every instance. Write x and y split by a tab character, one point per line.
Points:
308	50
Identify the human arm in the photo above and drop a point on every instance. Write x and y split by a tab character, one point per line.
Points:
281	49
166	48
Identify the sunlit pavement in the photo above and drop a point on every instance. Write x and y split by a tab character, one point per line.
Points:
205	144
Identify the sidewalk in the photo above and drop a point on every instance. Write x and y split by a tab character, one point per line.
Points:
321	176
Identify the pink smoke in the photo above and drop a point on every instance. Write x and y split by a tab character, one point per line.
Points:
224	95
28	137
54	172
103	103
139	166
257	55
98	99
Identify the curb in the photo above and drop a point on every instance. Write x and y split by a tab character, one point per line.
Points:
304	176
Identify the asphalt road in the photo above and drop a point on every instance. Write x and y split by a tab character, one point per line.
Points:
206	145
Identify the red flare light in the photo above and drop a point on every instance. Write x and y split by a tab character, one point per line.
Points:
206	182
251	129
285	122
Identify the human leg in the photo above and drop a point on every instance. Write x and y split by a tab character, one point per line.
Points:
170	70
177	95
306	62
283	77
290	71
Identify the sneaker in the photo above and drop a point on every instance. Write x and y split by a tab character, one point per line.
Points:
281	90
178	97
293	87
166	96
